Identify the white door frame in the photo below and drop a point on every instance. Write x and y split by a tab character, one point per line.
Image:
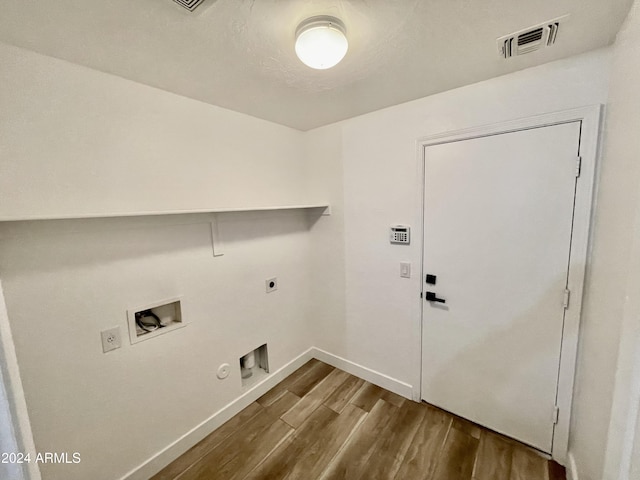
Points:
15	400
590	119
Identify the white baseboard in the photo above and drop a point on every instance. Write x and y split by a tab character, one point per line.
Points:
189	439
572	469
377	378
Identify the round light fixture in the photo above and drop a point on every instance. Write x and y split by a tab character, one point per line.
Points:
321	42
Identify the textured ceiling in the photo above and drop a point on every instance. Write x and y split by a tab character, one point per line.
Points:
239	54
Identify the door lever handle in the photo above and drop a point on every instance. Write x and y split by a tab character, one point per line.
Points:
431	297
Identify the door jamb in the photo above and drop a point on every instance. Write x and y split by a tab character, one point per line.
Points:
14	392
589	117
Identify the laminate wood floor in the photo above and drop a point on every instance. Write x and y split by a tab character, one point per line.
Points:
325	424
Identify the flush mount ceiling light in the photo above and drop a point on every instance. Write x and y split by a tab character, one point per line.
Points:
321	42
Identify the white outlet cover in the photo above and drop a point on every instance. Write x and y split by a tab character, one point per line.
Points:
111	339
271	284
223	371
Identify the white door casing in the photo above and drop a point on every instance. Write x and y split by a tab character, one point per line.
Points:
584	123
13	407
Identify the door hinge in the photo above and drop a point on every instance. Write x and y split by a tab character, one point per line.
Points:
420	294
567	295
556	414
578	166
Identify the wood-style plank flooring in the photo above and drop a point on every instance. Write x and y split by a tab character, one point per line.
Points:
323	423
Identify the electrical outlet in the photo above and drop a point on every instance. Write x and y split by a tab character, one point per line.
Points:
271	284
111	339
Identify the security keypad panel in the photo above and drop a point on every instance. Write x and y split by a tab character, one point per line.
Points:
401	234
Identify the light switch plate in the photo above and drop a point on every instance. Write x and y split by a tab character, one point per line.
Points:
405	269
111	339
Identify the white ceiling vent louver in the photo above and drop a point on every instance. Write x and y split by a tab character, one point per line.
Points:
190	5
530	39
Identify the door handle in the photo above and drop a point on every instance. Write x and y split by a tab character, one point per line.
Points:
431	297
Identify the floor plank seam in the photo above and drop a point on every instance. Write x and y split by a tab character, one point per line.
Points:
282	440
343	447
208	451
413	437
475	461
355	395
283	420
440	449
273	400
184	472
308	416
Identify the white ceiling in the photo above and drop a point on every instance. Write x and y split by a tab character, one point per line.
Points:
239	54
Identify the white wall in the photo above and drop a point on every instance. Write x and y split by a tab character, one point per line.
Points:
382	187
327	307
623	446
622	178
76	141
69	133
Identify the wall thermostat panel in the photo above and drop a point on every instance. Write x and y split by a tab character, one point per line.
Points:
400	234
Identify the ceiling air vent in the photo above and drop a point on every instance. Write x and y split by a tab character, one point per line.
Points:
190	5
531	39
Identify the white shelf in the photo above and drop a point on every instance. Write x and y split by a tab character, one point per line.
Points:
325	207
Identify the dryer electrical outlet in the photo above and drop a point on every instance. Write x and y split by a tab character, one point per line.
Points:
271	284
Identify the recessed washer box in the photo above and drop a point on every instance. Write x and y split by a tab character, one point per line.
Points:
254	366
149	321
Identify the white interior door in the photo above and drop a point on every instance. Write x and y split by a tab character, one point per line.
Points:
498	214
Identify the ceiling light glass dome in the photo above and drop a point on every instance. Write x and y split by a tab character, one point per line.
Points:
321	42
